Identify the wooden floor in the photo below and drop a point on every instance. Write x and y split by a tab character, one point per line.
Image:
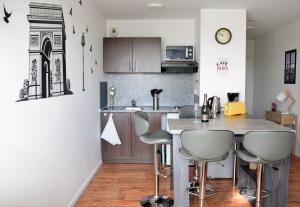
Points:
123	185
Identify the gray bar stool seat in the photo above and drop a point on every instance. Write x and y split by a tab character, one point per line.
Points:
155	138
265	147
204	146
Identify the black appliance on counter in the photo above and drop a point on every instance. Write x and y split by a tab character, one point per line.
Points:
103	94
179	67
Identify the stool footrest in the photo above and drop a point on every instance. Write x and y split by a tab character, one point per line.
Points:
162	175
194	190
251	193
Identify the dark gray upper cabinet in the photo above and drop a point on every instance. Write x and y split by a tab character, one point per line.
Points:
132	55
146	55
117	55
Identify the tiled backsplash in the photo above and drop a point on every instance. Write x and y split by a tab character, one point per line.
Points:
178	88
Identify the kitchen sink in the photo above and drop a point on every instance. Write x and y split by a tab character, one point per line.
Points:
130	108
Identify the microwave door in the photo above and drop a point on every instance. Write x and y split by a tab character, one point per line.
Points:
175	53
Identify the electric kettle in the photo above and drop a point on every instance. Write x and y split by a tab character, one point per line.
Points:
214	105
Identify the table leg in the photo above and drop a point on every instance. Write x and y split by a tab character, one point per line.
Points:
180	175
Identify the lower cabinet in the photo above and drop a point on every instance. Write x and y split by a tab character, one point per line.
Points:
132	149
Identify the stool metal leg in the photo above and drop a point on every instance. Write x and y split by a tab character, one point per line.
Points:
157	200
196	177
203	183
194	188
234	165
259	185
194	184
156	173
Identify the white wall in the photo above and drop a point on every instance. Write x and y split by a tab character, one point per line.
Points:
269	69
214	82
250	76
196	76
48	147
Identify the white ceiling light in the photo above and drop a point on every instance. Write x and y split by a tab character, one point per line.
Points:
155	6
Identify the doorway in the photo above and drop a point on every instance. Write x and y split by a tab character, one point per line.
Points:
46	70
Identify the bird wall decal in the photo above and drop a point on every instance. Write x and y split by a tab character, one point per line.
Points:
80	2
74	30
92	71
91	48
71	11
87	29
7	15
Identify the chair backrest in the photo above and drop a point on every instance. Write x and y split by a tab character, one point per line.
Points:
270	146
187	112
141	124
207	144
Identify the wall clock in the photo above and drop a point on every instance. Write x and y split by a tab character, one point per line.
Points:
223	36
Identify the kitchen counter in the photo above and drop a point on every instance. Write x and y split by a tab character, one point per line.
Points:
149	109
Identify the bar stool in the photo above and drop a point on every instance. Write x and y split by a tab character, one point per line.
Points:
155	138
187	112
205	146
265	147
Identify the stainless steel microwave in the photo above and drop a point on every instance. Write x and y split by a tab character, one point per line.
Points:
179	53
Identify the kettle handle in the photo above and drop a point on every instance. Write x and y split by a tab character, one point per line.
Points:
209	102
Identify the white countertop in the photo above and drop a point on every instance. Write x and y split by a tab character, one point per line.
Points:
162	109
238	124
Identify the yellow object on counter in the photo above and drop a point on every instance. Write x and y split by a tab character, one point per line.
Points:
234	108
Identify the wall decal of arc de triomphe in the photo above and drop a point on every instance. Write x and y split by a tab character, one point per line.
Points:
47	57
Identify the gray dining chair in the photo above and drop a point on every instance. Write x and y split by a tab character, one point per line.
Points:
155	138
266	147
204	146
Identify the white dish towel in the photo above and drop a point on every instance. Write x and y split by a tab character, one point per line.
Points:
110	133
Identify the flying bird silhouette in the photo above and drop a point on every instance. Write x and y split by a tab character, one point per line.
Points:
7	15
91	48
92	70
96	62
73	29
71	11
87	29
80	2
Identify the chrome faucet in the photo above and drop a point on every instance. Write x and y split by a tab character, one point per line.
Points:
133	103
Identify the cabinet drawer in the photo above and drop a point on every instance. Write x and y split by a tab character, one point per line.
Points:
276	117
288	120
283	119
111	153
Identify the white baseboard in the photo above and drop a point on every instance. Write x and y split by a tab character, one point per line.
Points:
84	185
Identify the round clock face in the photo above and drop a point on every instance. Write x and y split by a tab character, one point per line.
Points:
223	36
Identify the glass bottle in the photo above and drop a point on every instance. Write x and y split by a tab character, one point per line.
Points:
205	110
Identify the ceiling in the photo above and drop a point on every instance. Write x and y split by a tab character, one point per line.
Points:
264	15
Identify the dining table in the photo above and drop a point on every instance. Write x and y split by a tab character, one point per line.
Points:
275	179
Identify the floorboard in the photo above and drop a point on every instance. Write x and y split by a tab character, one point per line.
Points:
123	185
